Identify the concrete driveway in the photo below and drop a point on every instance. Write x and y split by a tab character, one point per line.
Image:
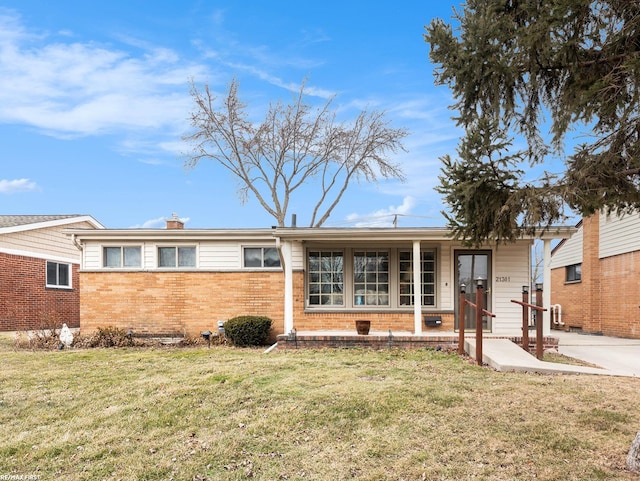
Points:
615	354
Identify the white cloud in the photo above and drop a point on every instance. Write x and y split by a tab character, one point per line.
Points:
151	224
383	217
69	88
17	185
160	222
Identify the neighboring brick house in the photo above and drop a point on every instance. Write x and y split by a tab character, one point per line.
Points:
595	277
39	282
184	281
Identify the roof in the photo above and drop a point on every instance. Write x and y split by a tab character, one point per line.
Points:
170	234
16	223
397	233
316	234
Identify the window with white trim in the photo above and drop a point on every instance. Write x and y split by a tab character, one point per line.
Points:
326	278
371	278
58	274
121	256
356	278
261	257
174	257
428	281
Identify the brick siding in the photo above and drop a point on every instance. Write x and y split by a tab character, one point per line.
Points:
25	302
184	303
188	303
607	300
341	320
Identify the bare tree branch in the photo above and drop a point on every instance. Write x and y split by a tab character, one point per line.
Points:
295	146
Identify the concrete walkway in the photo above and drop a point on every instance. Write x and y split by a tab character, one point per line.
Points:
614	356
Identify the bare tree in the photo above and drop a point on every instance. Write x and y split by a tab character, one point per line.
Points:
294	145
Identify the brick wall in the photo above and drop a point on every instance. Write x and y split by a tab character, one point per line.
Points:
570	297
25	302
192	302
620	296
178	302
592	321
341	320
607	300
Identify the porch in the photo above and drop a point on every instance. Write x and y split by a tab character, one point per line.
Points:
444	340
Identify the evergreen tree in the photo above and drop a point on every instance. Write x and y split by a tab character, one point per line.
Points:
510	64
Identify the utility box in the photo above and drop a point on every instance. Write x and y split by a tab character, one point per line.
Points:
221	328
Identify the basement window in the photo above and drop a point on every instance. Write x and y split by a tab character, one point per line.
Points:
176	257
58	274
261	257
121	256
574	273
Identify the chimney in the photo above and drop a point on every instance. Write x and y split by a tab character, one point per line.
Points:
174	222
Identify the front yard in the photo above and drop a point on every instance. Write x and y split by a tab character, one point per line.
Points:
232	414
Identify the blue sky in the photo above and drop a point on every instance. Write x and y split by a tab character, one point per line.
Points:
94	101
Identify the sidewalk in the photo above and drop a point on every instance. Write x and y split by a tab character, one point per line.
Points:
614	356
611	353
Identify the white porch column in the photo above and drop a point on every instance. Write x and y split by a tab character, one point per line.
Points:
288	287
417	289
546	289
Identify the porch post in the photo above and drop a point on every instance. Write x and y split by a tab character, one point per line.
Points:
546	289
417	289
288	287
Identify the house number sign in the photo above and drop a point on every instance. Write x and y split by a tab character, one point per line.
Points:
503	279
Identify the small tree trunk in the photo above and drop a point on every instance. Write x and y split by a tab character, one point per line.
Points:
633	458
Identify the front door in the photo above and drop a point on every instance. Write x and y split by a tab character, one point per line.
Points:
470	266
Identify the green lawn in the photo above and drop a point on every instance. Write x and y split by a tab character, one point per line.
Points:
232	414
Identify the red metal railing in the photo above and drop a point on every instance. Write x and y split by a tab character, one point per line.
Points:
480	311
525	319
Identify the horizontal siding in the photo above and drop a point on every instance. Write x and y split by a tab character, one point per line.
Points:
511	272
297	254
568	253
220	255
446	284
619	235
212	255
50	241
92	256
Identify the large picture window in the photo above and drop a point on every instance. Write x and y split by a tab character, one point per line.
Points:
357	278
58	274
176	257
428	281
326	278
122	256
371	278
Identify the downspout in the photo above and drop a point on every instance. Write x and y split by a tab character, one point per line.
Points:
79	247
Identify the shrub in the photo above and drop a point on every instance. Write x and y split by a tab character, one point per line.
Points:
107	337
247	330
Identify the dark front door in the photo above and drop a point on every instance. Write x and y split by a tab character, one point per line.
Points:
469	267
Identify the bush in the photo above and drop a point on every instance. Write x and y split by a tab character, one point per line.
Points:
107	337
247	330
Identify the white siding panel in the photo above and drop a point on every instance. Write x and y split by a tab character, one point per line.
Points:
297	253
47	241
568	253
511	272
220	256
92	256
447	283
149	256
619	235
